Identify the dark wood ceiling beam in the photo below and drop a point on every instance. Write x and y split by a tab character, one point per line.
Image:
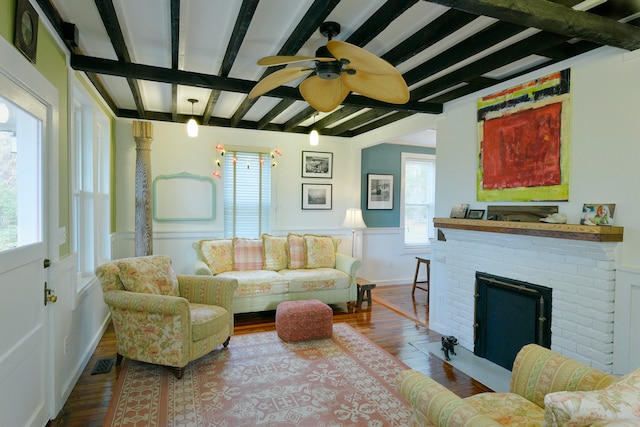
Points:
477	43
536	43
336	116
208	81
316	14
215	121
174	22
379	123
572	49
380	20
441	27
274	112
554	18
245	15
298	118
111	24
355	122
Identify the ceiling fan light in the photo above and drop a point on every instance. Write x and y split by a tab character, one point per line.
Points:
192	128
314	137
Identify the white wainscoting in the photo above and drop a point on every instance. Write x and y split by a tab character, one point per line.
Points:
626	340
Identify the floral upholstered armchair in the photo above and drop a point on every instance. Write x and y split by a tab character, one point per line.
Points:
163	318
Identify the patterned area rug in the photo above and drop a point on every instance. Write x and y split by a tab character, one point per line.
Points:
260	380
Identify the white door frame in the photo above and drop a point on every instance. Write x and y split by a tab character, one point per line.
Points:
25	75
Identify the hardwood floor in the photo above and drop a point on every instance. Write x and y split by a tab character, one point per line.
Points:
398	330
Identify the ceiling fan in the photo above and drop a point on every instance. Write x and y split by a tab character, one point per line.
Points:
340	68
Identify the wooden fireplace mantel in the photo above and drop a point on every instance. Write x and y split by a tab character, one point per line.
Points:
559	231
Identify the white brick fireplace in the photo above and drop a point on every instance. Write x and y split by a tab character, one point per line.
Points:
581	274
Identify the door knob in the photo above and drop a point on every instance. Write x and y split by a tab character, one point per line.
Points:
49	296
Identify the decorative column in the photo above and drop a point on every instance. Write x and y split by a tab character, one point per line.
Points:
143	135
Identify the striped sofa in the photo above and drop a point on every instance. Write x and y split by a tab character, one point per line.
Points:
538	373
273	269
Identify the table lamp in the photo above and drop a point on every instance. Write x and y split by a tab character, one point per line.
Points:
353	220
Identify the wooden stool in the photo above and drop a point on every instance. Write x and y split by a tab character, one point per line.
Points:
364	291
426	262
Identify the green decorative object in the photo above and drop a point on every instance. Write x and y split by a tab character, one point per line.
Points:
183	197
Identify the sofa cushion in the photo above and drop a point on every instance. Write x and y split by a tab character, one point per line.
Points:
621	400
320	251
247	254
304	280
257	282
149	274
218	254
296	251
274	252
207	320
508	409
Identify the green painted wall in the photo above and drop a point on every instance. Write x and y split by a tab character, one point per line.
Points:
385	159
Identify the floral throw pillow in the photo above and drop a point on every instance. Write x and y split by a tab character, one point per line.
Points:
320	251
274	252
218	254
296	251
247	254
620	401
149	275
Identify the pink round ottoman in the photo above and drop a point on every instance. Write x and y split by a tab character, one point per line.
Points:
304	320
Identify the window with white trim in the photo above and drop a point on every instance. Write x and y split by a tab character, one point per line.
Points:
247	193
418	198
90	180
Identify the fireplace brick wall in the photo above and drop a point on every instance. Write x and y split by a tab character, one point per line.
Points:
581	274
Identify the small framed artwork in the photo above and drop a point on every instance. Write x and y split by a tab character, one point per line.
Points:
597	214
475	213
379	191
316	196
316	164
459	210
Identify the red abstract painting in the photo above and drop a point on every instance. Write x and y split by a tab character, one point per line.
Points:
523	149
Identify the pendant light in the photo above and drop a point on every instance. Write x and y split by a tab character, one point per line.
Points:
192	125
314	136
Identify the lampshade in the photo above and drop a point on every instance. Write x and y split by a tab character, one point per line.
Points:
314	137
4	113
353	219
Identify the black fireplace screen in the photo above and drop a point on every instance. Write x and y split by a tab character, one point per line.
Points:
508	315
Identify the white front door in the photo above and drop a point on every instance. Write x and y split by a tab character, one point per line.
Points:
24	327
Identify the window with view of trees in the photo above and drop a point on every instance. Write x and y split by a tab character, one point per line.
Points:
418	184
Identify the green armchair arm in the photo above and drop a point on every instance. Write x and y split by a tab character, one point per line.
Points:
147	303
434	405
210	290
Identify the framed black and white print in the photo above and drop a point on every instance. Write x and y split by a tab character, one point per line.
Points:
316	196
316	164
379	191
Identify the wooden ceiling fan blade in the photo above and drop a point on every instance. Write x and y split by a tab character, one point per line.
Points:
359	58
278	78
389	88
323	95
269	61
